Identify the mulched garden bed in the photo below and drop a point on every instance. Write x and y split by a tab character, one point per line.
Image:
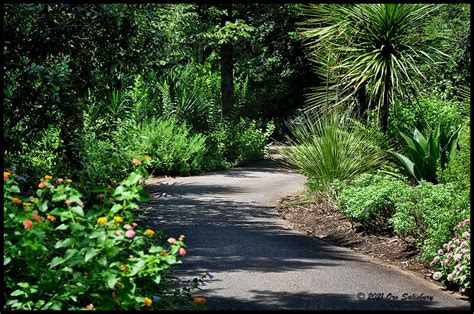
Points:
318	217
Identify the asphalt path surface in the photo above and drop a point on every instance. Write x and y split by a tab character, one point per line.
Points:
258	262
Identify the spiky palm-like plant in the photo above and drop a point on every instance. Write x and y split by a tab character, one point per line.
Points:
368	52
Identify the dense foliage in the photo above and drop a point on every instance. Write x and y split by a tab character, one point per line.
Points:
95	251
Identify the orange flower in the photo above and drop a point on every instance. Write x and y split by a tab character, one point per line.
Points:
48	177
164	253
102	220
60	180
199	300
147	301
136	161
5	175
68	180
16	200
134	224
51	217
123	267
27	224
42	185
149	232
147	157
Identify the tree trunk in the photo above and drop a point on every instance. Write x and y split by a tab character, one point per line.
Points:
72	122
363	105
386	104
227	72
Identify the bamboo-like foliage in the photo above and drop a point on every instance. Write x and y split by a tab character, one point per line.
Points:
374	47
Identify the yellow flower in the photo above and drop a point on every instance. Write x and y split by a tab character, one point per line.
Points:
51	217
27	204
48	177
16	200
147	301
147	157
35	201
164	253
118	218
149	232
5	175
102	220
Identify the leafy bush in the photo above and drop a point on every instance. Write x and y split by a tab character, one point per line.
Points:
425	153
453	262
429	213
425	113
369	199
331	147
43	155
176	151
95	252
458	170
235	144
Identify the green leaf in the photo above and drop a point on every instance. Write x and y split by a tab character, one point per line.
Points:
17	293
116	208
58	196
157	279
91	252
24	284
64	243
6	260
56	261
78	211
156	249
111	282
62	227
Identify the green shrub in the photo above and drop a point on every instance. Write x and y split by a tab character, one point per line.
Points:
235	144
458	171
453	261
425	113
94	252
174	149
43	155
429	213
369	199
331	147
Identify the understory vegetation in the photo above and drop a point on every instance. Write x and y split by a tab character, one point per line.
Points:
403	167
371	101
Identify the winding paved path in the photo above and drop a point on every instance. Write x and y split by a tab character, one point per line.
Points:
259	262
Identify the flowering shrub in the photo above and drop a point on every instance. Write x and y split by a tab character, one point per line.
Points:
453	261
61	253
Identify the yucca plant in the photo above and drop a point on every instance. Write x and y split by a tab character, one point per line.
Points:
331	146
425	153
368	54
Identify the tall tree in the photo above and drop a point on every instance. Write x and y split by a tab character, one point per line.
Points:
378	48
